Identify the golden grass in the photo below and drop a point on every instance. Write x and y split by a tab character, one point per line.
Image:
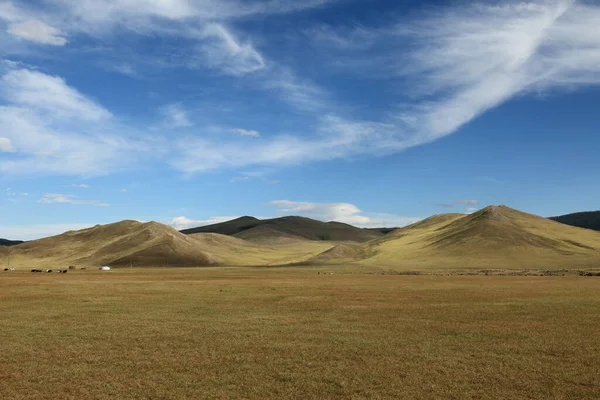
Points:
152	244
274	333
495	237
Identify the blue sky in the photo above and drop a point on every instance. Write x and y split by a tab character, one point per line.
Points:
375	113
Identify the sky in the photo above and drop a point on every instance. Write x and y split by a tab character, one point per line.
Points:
369	112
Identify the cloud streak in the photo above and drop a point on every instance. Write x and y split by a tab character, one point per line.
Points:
37	31
458	62
52	198
51	128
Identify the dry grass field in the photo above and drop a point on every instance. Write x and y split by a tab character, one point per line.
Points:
297	333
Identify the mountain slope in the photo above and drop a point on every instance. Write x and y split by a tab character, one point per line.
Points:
587	219
251	228
131	243
273	251
122	243
494	237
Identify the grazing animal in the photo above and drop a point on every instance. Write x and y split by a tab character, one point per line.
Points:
83	268
71	267
6	269
65	271
48	270
36	270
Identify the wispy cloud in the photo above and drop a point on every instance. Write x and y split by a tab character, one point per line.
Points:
175	115
15	197
80	185
37	31
50	198
467	202
221	50
45	93
444	205
458	62
54	129
123	69
245	132
6	145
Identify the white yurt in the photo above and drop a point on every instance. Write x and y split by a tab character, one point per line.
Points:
105	268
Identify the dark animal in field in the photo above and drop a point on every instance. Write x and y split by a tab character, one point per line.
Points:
6	269
36	270
84	268
71	267
48	270
65	271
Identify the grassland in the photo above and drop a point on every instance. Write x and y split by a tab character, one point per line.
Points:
220	333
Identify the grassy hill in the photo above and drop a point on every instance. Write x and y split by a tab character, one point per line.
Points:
6	242
131	243
253	229
587	219
121	243
494	237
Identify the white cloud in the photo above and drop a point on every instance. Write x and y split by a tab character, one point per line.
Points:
458	61
50	198
180	223
123	190
176	116
80	185
38	32
245	132
11	193
341	212
6	145
50	94
139	13
124	69
467	202
38	231
55	129
221	50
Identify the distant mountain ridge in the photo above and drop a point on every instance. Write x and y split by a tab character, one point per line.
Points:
586	219
251	228
6	242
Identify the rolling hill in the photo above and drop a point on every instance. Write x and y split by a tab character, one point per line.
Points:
6	242
132	243
254	229
587	219
494	237
121	243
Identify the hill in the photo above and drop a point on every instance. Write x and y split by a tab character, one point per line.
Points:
6	242
587	219
132	243
494	237
251	228
266	251
121	243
